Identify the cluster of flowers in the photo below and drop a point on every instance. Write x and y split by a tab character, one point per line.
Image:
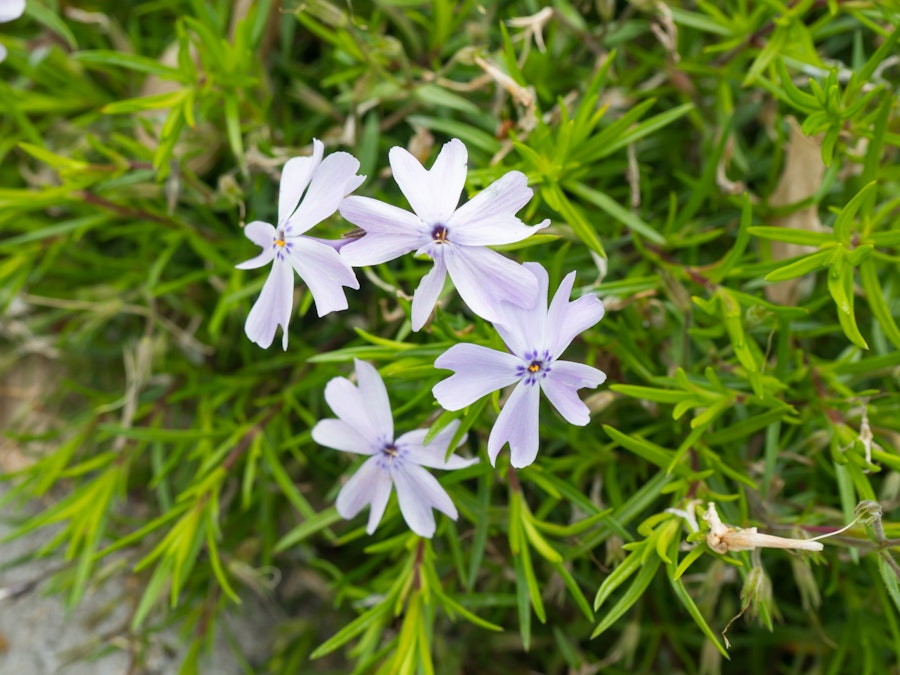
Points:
511	296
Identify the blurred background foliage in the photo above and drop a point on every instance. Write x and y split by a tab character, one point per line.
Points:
723	175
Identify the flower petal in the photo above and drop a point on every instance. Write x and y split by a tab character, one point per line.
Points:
561	388
339	435
374	395
418	492
11	9
433	455
295	177
485	280
390	232
478	371
433	194
489	218
334	179
324	272
261	234
567	319
273	307
426	295
336	244
345	399
517	424
373	215
520	328
371	484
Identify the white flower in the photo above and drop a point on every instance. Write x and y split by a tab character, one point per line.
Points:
326	182
536	338
9	11
456	238
365	426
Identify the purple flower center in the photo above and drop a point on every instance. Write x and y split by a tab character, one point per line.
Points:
535	366
280	244
389	455
439	235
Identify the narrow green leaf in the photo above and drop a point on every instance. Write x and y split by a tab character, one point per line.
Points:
804	265
352	629
574	589
613	209
110	59
523	602
580	225
874	295
619	576
848	213
791	236
168	99
689	604
653	453
840	285
632	595
650	393
307	528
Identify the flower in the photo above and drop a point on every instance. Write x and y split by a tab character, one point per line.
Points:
9	11
326	182
536	338
365	426
456	238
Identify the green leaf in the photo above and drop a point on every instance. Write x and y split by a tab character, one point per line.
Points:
840	285
791	236
523	602
688	602
166	100
572	585
619	576
848	213
875	296
632	595
616	211
804	265
653	453
650	393
114	59
307	528
573	215
372	616
452	607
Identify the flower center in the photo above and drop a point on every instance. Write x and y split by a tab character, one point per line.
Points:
537	368
439	235
390	450
279	239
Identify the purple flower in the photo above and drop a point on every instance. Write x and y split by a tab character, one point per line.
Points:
536	338
365	426
326	182
456	238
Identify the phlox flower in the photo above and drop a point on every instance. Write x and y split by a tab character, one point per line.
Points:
535	337
325	182
365	426
10	10
455	238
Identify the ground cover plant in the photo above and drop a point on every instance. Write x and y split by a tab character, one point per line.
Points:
517	338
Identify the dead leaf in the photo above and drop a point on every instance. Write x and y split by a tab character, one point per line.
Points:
800	179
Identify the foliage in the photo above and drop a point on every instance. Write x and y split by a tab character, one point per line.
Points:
654	135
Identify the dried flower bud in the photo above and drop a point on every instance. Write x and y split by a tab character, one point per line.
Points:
724	538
